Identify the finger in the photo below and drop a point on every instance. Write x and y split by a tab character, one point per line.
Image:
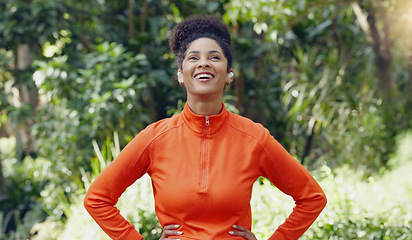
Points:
170	230
243	235
240	228
242	232
172	233
171	226
238	233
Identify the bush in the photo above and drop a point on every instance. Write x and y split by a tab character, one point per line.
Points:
374	208
80	225
20	208
356	210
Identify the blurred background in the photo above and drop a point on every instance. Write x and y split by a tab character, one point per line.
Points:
330	79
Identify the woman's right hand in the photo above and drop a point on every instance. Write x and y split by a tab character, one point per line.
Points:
170	230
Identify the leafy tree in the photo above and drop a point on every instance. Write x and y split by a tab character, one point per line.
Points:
320	58
24	28
329	79
93	72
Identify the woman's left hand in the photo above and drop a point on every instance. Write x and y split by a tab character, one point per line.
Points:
242	232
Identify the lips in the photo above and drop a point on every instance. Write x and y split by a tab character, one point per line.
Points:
204	76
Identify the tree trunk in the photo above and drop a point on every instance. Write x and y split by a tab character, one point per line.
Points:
27	94
130	15
83	38
383	57
3	189
381	46
239	81
143	16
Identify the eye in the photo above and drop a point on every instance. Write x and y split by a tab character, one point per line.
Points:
215	57
192	58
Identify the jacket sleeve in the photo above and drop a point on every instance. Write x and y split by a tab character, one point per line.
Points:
103	194
289	176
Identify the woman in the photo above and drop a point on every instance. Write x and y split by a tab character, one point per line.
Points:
204	161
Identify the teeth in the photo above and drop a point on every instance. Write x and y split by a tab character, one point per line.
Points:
204	75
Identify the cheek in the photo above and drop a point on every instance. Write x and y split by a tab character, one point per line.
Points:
187	65
222	71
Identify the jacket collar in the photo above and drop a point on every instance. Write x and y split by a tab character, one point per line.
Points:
198	123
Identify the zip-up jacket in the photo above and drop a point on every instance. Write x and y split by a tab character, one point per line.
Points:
202	170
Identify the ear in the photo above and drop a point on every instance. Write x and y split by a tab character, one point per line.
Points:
180	76
230	76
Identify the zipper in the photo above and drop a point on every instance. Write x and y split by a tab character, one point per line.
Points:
207	123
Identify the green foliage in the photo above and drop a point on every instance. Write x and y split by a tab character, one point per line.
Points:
308	74
30	22
105	95
6	60
377	208
21	208
322	107
355	210
403	154
80	225
304	69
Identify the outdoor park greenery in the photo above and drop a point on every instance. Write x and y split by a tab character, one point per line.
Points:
330	79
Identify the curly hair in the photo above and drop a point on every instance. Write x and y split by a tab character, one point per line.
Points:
192	28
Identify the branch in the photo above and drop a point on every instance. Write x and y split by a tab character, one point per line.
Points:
86	43
308	144
363	20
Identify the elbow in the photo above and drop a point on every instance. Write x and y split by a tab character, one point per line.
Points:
89	202
316	201
321	200
95	202
324	200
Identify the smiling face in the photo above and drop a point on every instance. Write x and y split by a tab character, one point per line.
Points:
204	70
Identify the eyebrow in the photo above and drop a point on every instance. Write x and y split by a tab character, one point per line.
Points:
212	51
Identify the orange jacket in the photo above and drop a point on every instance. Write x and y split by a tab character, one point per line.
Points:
202	171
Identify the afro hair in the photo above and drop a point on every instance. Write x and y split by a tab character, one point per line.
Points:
192	28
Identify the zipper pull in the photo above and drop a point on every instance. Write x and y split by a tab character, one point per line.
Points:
207	121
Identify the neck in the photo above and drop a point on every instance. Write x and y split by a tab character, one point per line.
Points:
205	107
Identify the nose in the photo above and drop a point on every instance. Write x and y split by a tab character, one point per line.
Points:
203	64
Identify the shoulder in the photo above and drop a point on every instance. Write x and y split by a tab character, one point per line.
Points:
247	126
160	127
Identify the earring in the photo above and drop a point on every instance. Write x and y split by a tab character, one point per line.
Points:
230	75
179	74
181	84
227	83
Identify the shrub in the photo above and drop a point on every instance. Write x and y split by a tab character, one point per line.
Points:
20	208
375	208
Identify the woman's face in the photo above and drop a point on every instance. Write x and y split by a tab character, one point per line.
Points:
204	69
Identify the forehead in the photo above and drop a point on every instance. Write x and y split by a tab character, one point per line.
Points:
204	45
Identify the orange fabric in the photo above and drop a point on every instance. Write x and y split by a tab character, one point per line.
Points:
202	170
